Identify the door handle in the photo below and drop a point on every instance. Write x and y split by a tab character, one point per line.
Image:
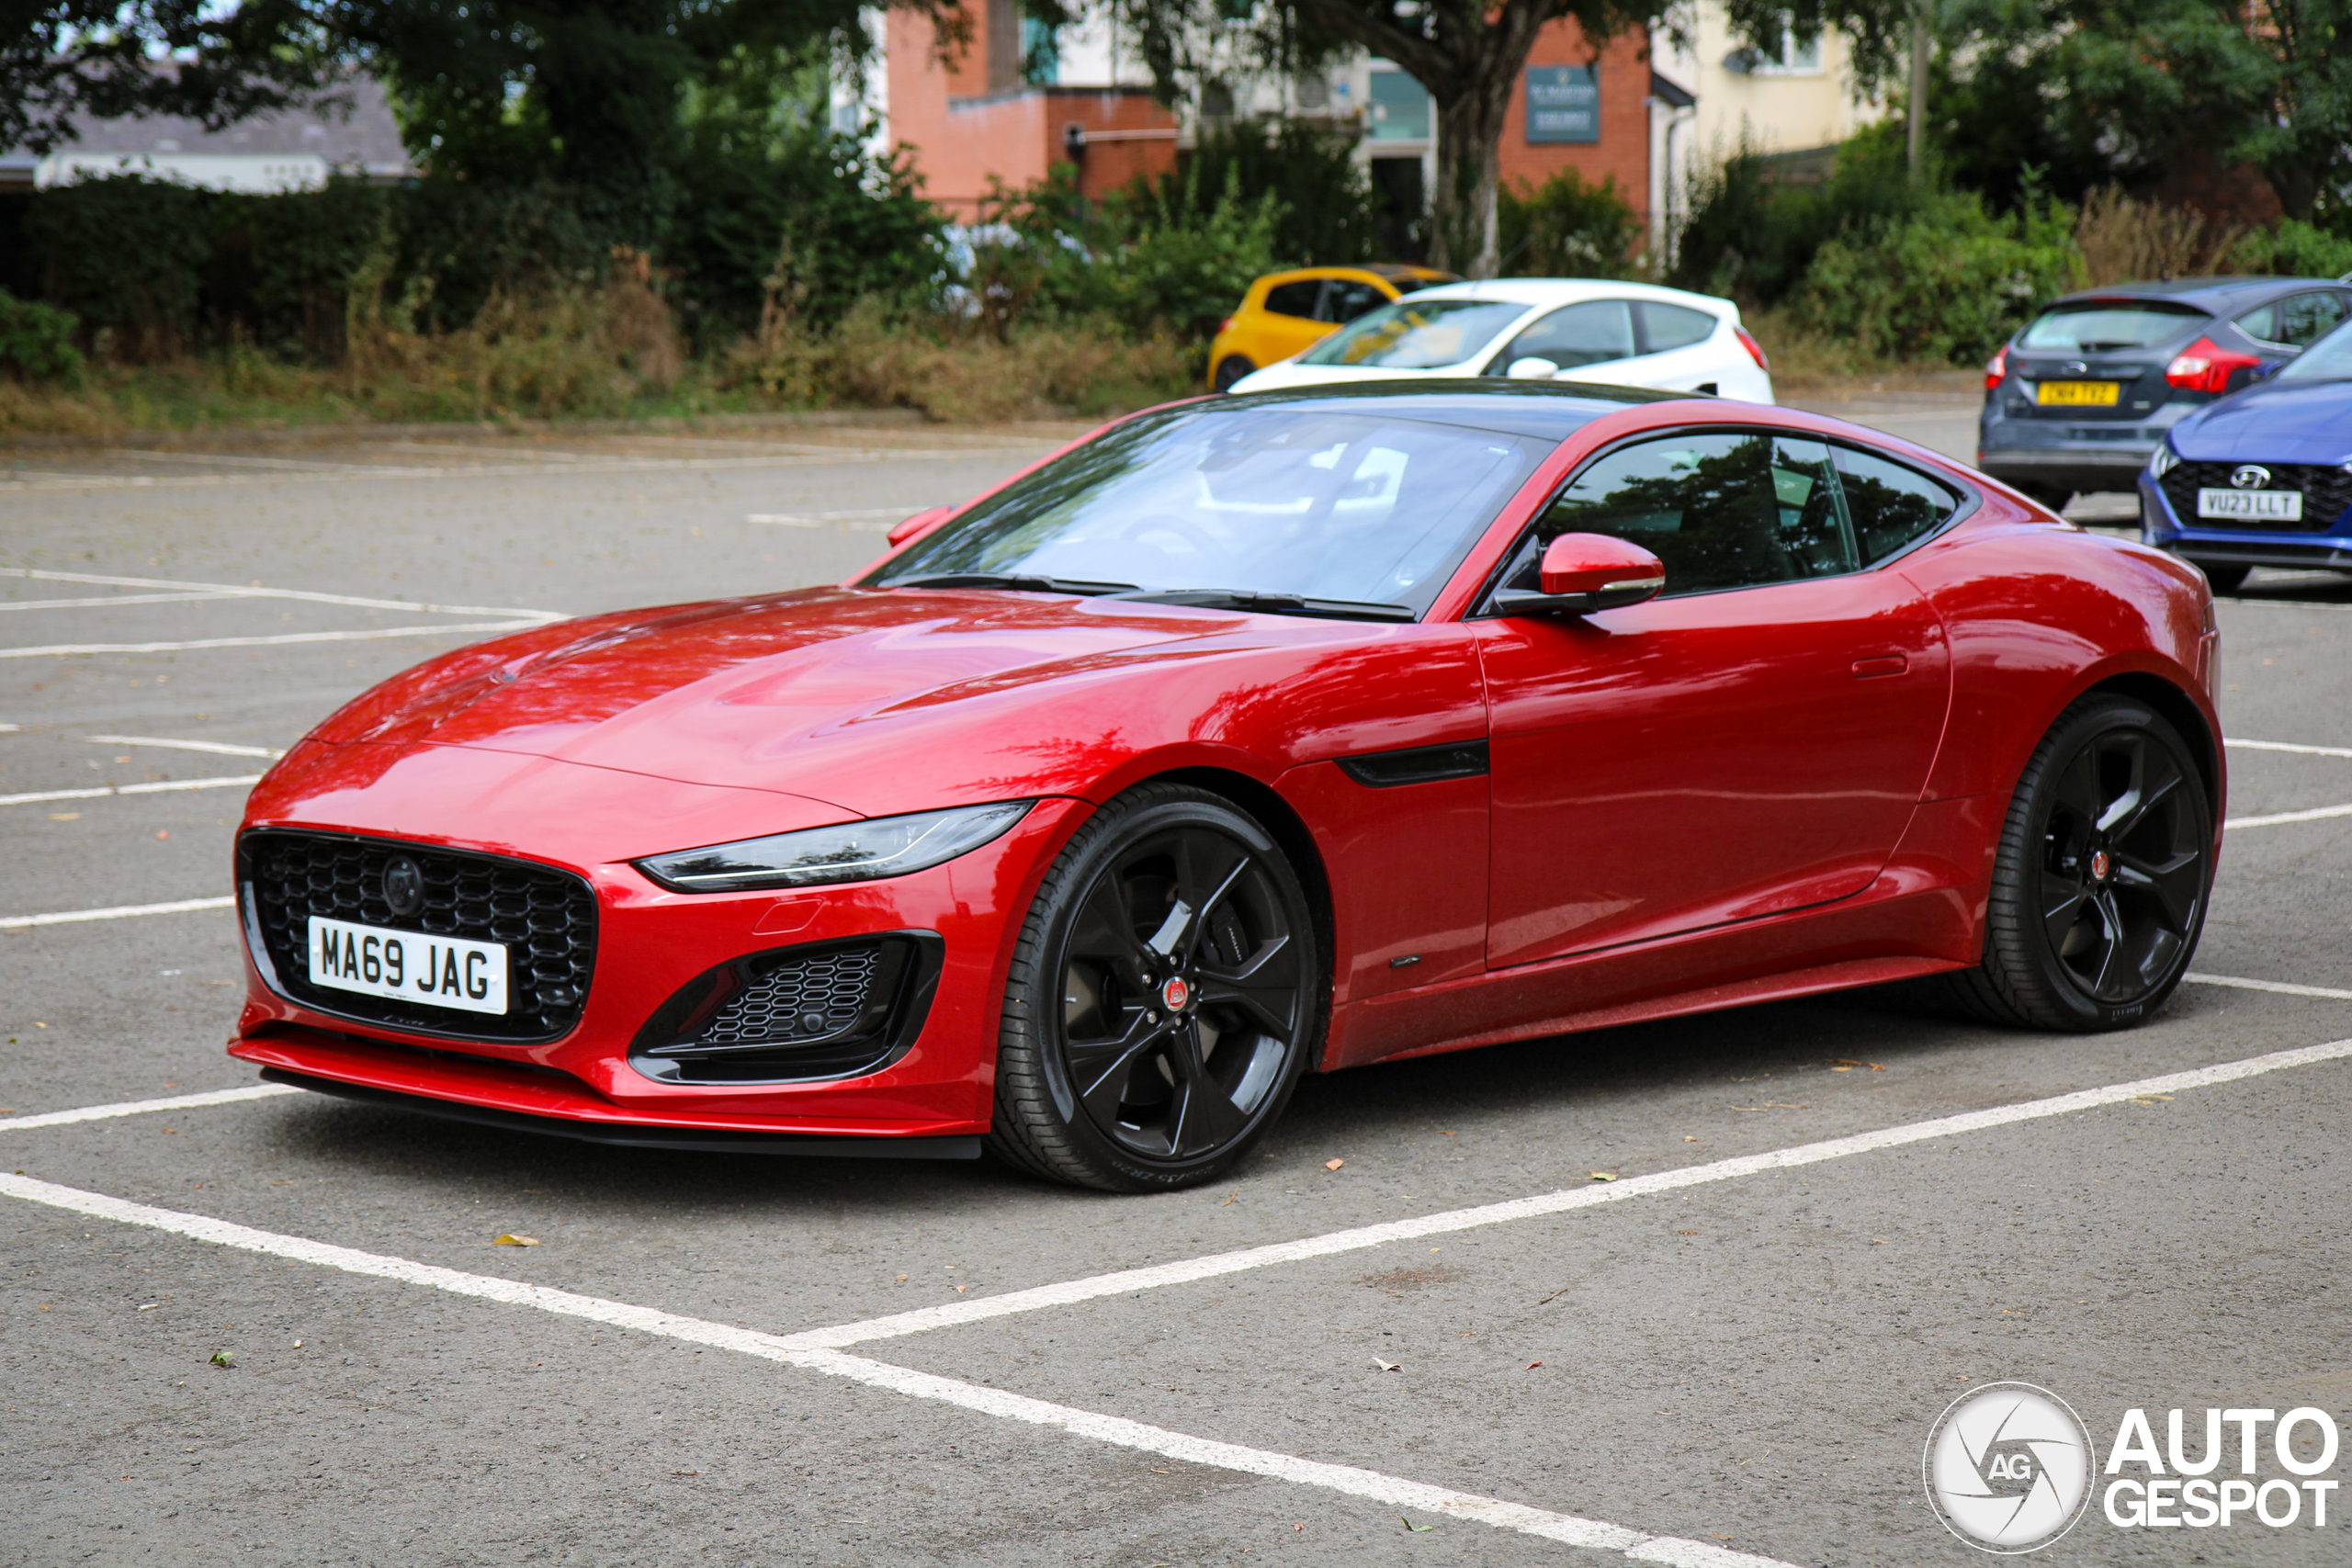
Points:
1886	664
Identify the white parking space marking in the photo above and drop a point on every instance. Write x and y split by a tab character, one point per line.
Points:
145	1107
218	748
867	519
2318	814
2283	746
1348	1480
2279	986
162	786
256	591
1130	1280
103	601
118	913
65	648
798	458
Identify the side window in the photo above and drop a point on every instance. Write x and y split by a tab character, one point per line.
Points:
1673	326
2261	324
1295	298
1590	334
1344	300
1891	505
1722	509
2305	319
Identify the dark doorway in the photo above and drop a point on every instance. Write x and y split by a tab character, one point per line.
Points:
1398	182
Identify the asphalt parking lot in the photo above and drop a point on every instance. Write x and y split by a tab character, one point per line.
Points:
1691	1292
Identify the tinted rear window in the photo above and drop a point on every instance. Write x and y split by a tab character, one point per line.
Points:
2105	326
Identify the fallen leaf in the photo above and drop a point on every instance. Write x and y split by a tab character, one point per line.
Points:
1300	1526
1855	1062
1387	1366
1333	1164
1878	1241
1444	1133
506	1239
1532	1365
65	816
223	1358
163	832
1411	1526
1230	1199
1686	1233
902	1279
960	1289
1602	1175
1841	1069
1689	1140
151	1306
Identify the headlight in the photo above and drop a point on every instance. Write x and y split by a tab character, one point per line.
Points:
2161	461
851	852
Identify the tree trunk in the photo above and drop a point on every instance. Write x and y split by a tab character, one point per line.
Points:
1463	235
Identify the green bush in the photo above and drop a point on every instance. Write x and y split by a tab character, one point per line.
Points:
127	254
1329	215
35	339
1950	282
2293	248
1566	228
1753	237
282	267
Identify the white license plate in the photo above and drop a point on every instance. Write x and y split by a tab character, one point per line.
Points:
2258	505
438	971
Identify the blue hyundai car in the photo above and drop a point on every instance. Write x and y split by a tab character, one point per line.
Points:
2262	478
2079	398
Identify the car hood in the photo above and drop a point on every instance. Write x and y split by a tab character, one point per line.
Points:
872	701
2283	423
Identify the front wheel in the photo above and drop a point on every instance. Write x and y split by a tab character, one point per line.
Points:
1231	369
2102	878
1165	995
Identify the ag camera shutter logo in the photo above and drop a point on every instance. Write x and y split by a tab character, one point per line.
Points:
2009	1467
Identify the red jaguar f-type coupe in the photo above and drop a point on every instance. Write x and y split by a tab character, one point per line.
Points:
1245	738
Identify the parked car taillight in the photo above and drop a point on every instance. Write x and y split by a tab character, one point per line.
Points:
1754	350
1225	326
1997	369
2206	367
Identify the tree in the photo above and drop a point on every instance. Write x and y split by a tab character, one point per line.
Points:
584	92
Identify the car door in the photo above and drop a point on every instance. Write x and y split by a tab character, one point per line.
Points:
1288	325
1754	740
2284	328
1596	332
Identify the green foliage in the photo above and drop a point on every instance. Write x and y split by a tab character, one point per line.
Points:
36	341
281	266
2293	248
1754	237
1950	281
1330	215
1566	228
127	255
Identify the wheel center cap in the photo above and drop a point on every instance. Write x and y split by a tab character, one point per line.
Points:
1175	995
2100	866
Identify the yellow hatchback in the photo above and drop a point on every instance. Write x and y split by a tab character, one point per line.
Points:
1286	312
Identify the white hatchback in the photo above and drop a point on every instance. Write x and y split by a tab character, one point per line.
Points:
1552	329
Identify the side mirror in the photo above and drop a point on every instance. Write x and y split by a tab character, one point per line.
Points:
922	521
1584	572
1533	368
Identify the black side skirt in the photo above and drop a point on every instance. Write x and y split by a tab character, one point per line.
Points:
638	1137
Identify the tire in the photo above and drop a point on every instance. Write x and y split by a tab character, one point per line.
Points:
1231	369
2225	579
2088	928
1099	1081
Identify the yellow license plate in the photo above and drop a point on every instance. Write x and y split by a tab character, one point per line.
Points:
2078	394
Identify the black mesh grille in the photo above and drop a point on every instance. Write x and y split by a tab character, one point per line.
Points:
828	1010
546	918
2328	490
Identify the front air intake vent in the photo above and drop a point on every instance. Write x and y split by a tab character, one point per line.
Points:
820	1010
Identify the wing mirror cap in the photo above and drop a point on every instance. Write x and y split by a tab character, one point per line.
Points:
1532	367
1584	572
921	522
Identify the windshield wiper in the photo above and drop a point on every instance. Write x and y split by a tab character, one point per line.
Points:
1272	603
1007	579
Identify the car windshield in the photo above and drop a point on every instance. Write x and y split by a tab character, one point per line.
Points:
2329	359
1415	334
1344	511
2103	326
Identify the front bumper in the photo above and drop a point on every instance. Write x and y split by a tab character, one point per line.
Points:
2162	527
2085	456
652	943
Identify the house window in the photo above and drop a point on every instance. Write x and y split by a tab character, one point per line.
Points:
1041	53
1399	110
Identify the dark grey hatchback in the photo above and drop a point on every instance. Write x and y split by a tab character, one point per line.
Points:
2080	397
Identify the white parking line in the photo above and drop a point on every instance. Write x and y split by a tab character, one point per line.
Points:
2317	815
219	748
65	648
255	591
145	1107
118	913
1348	1480
2283	746
2281	986
161	786
103	601
803	458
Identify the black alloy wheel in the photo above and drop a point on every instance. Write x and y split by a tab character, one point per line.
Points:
1231	369
1165	997
2103	874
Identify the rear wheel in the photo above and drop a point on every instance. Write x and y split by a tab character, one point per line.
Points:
1165	995
2101	883
1231	369
2225	579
